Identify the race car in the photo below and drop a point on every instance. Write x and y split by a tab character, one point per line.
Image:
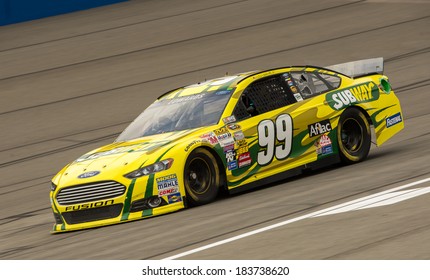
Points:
231	133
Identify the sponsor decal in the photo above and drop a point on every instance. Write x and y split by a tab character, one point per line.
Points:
298	97
238	135
221	81
191	144
223	92
230	156
210	137
324	145
225	139
244	160
232	165
242	142
221	131
186	98
224	136
168	191
394	119
167	185
88	174
89	205
229	119
172	198
233	126
353	95
286	76
228	147
319	128
142	147
293	89
290	83
242	147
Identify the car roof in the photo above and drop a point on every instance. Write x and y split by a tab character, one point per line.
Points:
228	81
231	81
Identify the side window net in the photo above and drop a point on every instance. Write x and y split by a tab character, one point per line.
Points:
267	95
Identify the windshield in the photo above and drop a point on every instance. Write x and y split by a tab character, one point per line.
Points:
178	113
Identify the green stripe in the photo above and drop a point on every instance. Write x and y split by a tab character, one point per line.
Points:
147	212
148	193
127	203
150	186
297	150
374	115
63	226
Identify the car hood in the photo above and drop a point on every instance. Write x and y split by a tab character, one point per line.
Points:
105	162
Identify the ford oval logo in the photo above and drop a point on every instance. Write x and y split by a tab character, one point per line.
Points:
88	174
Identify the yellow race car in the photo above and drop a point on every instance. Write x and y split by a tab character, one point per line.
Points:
231	133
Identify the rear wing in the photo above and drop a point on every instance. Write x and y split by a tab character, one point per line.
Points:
359	68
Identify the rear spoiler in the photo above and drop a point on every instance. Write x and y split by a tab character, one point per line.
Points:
360	68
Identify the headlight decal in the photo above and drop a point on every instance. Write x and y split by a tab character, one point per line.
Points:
148	192
150	169
127	202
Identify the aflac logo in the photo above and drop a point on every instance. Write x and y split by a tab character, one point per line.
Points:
88	174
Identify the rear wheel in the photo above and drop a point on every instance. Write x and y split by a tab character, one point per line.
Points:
201	177
353	135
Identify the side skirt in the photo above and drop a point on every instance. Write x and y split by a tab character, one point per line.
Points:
329	160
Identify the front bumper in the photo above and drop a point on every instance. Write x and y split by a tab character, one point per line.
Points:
75	210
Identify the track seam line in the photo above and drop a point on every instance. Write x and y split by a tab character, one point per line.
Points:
176	42
289	214
378	242
102	138
277	225
204	68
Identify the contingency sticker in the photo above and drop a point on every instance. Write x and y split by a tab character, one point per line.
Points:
244	159
224	137
229	119
324	145
238	135
167	185
172	198
242	146
233	126
210	137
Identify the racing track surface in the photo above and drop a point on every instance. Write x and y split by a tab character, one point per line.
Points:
71	83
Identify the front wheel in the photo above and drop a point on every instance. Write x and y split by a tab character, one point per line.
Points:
201	177
353	135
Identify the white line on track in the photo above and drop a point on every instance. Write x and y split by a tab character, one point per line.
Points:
280	224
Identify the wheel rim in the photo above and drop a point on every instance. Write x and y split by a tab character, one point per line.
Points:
351	135
198	176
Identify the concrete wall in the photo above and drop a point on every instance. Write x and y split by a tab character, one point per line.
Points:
13	11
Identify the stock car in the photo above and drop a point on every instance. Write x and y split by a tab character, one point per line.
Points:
231	133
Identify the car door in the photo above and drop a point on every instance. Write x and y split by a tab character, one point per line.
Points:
271	130
263	133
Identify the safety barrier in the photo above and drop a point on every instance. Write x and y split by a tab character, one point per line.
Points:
13	11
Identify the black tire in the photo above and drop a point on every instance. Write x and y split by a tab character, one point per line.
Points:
201	177
353	135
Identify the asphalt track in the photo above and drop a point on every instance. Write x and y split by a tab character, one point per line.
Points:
71	83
